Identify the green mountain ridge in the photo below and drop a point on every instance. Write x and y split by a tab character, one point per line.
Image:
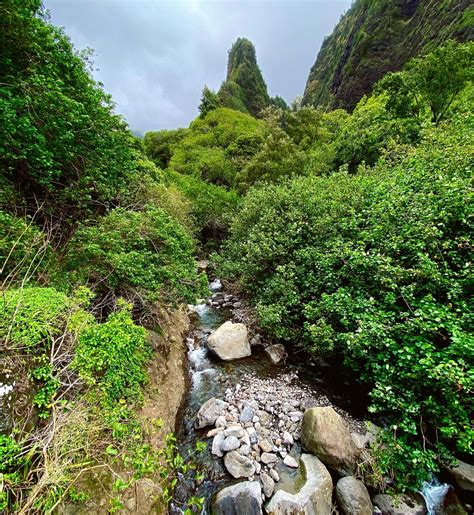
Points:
378	36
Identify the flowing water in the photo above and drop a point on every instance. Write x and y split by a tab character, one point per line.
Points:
434	494
211	377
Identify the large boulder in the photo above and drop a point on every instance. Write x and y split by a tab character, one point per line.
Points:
209	412
325	434
353	497
400	505
463	475
245	497
314	498
230	341
238	465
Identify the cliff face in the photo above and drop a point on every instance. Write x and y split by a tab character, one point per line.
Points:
378	36
244	88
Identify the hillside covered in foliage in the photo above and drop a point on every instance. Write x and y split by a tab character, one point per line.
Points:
379	36
349	234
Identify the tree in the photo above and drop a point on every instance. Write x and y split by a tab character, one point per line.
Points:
431	82
159	145
279	102
209	101
59	137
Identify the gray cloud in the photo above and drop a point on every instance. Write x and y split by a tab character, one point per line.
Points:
155	56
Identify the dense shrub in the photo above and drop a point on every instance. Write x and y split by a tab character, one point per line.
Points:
375	267
59	137
216	147
25	252
278	158
211	206
113	355
146	252
33	316
159	145
370	130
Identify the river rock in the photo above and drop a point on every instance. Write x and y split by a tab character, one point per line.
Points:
235	430
230	444
217	443
287	438
213	432
221	421
265	445
246	415
230	341
244	497
216	285
209	412
315	497
264	417
245	450
353	496
400	505
238	465
275	475
289	461
325	434
268	457
276	352
268	484
463	475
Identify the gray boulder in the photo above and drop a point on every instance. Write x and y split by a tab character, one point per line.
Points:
244	497
400	505
315	496
268	457
276	352
238	465
353	496
235	430
209	412
246	415
463	475
289	461
325	434
230	341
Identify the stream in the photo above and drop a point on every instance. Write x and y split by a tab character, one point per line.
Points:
297	377
211	377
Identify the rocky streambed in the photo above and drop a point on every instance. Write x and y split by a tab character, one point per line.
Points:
283	437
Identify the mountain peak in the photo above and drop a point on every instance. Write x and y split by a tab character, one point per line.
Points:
244	88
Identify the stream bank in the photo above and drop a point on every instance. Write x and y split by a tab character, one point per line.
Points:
162	399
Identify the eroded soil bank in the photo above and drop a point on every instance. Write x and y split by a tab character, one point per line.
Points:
163	396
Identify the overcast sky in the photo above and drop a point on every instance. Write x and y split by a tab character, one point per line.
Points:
155	56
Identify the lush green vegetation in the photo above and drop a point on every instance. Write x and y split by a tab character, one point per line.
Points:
371	263
59	136
349	232
379	36
85	221
244	88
